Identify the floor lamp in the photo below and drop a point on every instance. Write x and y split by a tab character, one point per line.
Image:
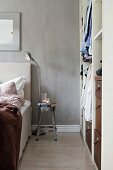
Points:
28	57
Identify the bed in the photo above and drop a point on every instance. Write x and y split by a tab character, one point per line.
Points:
10	71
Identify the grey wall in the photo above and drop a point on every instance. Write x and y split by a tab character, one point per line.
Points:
50	31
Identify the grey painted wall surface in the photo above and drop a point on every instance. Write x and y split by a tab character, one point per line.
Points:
50	31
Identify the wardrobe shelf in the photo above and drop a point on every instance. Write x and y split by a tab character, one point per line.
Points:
96	1
98	36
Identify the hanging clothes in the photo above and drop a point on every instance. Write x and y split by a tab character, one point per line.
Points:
86	100
84	88
87	38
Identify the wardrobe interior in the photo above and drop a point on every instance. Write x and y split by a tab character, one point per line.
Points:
96	45
91	76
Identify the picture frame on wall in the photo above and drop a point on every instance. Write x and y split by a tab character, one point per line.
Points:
9	31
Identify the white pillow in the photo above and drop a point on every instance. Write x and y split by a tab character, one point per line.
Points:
9	88
20	83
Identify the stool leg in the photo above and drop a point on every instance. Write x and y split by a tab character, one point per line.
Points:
39	123
54	125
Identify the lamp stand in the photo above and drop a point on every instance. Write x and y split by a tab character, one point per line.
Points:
39	81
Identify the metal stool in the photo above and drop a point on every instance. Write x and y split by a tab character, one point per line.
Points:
46	107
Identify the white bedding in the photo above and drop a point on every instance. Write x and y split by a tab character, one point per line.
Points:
26	111
26	105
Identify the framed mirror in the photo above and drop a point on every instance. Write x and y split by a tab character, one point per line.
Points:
9	31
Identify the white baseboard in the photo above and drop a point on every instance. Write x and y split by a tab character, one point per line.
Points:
68	128
64	128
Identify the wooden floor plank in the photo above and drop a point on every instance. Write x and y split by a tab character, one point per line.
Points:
68	153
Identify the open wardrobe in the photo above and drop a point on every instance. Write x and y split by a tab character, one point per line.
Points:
96	44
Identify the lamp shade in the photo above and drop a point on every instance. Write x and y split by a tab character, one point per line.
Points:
27	56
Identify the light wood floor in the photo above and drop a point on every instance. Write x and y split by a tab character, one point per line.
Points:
68	153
